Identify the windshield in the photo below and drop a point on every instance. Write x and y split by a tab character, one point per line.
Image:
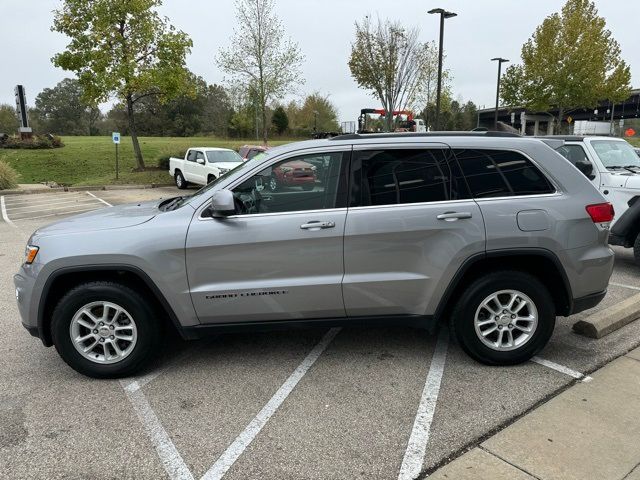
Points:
616	154
214	156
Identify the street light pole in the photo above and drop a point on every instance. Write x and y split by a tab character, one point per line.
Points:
443	14
500	61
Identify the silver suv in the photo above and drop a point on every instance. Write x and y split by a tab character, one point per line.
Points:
497	234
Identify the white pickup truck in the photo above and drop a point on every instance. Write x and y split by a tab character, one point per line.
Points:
202	165
613	167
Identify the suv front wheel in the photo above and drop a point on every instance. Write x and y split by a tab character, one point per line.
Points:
104	329
504	318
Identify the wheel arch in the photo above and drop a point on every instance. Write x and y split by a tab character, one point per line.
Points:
62	280
541	263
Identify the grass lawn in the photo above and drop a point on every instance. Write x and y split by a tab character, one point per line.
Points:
91	160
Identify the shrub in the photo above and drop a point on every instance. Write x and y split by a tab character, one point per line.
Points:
36	142
163	162
8	176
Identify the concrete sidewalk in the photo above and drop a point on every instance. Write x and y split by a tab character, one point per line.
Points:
590	431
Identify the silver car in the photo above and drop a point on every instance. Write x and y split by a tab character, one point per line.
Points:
494	233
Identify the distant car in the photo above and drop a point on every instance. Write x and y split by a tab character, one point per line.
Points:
202	165
247	152
296	173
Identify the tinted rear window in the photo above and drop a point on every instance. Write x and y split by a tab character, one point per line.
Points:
397	176
499	173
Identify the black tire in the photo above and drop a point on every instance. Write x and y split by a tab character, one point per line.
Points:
636	249
210	178
465	310
181	183
147	323
307	187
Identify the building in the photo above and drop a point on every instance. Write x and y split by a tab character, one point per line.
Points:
623	115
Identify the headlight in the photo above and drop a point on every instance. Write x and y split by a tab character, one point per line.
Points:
30	254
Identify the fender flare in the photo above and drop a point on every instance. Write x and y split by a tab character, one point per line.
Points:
43	331
507	252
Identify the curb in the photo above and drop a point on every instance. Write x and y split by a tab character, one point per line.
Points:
603	322
84	189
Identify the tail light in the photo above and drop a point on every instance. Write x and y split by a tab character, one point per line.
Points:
601	212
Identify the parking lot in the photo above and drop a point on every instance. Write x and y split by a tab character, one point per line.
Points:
314	403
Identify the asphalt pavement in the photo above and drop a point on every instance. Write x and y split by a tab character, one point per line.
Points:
341	403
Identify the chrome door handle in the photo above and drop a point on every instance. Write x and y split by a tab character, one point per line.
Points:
451	216
315	224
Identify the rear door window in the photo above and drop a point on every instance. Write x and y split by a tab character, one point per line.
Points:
501	173
401	176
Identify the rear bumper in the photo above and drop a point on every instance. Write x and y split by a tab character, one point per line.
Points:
589	301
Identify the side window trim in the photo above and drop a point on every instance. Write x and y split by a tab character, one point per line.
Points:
342	185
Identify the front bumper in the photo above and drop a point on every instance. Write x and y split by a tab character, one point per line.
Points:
24	282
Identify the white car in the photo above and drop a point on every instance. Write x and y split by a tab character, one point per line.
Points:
202	165
613	167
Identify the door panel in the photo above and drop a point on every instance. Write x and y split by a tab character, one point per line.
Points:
411	226
265	267
399	259
281	256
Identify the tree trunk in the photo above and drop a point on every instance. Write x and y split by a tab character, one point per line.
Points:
264	124
559	125
134	135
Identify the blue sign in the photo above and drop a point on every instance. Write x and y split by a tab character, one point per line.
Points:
115	136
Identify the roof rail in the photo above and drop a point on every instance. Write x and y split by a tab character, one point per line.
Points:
358	136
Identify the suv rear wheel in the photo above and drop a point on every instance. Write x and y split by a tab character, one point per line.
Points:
104	329
504	318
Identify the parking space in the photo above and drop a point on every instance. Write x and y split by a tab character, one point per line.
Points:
341	403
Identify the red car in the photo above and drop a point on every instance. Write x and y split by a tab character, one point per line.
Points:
296	173
247	152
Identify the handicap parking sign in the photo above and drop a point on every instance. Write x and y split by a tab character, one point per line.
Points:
115	136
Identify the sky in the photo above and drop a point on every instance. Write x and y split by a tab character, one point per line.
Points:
324	30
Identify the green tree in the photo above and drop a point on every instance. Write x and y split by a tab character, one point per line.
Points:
260	58
571	61
63	111
391	62
8	119
316	111
124	49
280	120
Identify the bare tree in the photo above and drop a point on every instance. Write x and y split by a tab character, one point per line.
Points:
260	57
389	60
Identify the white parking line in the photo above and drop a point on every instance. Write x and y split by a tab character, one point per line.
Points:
44	200
171	460
3	211
141	381
562	369
98	198
50	206
242	441
624	286
417	447
64	212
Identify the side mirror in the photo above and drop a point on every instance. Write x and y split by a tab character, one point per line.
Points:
200	161
222	204
585	167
